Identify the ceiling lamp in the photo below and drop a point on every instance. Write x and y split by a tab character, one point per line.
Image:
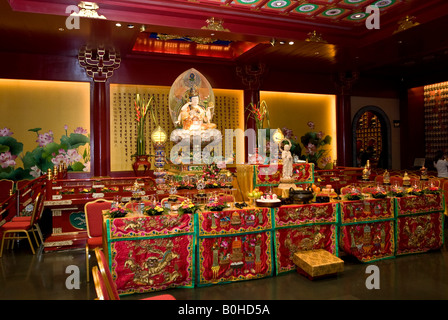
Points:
88	10
315	37
406	23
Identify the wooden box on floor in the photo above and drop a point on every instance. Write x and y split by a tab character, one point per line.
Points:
315	264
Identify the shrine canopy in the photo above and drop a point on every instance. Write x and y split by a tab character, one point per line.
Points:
180	89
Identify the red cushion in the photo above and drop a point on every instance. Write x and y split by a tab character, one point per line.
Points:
27	218
161	297
110	279
16	225
94	217
95	242
102	285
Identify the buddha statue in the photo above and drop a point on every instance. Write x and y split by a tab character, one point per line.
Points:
194	116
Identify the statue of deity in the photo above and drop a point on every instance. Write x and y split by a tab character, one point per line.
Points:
193	116
192	102
287	162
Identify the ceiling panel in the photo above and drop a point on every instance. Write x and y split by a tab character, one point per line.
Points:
256	29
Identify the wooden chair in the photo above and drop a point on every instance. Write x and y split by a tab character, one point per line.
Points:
100	286
36	227
435	182
12	230
94	222
396	180
379	179
111	290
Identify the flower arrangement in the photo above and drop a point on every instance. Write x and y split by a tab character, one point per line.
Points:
211	172
117	212
141	110
260	113
432	190
314	143
188	207
185	185
107	190
396	192
378	194
155	210
215	205
352	196
414	191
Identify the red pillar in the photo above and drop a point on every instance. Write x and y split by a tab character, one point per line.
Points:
344	131
99	64
100	128
344	83
251	76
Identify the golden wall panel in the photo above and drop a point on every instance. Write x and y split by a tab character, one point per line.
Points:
228	115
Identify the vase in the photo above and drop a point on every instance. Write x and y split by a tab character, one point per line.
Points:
141	160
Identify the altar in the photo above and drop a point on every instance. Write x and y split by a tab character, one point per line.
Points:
150	253
367	228
234	245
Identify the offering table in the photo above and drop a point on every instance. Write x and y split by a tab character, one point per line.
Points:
419	223
150	253
234	245
304	227
367	228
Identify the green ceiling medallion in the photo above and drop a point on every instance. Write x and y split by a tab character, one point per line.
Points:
354	1
357	16
307	8
333	12
247	1
279	4
384	3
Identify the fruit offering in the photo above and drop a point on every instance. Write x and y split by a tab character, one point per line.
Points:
256	194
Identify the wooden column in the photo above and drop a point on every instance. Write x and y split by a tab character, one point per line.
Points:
344	145
99	64
251	77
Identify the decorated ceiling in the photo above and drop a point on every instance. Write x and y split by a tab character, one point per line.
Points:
340	11
278	31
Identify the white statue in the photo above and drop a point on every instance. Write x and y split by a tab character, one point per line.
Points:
287	162
193	116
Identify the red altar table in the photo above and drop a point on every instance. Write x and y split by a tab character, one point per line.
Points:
234	245
150	253
367	228
303	227
419	226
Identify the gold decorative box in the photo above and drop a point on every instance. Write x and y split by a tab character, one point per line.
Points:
317	263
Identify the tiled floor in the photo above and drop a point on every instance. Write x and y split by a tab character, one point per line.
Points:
421	276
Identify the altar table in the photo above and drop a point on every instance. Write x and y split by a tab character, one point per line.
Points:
151	253
367	228
419	223
303	227
234	245
216	247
